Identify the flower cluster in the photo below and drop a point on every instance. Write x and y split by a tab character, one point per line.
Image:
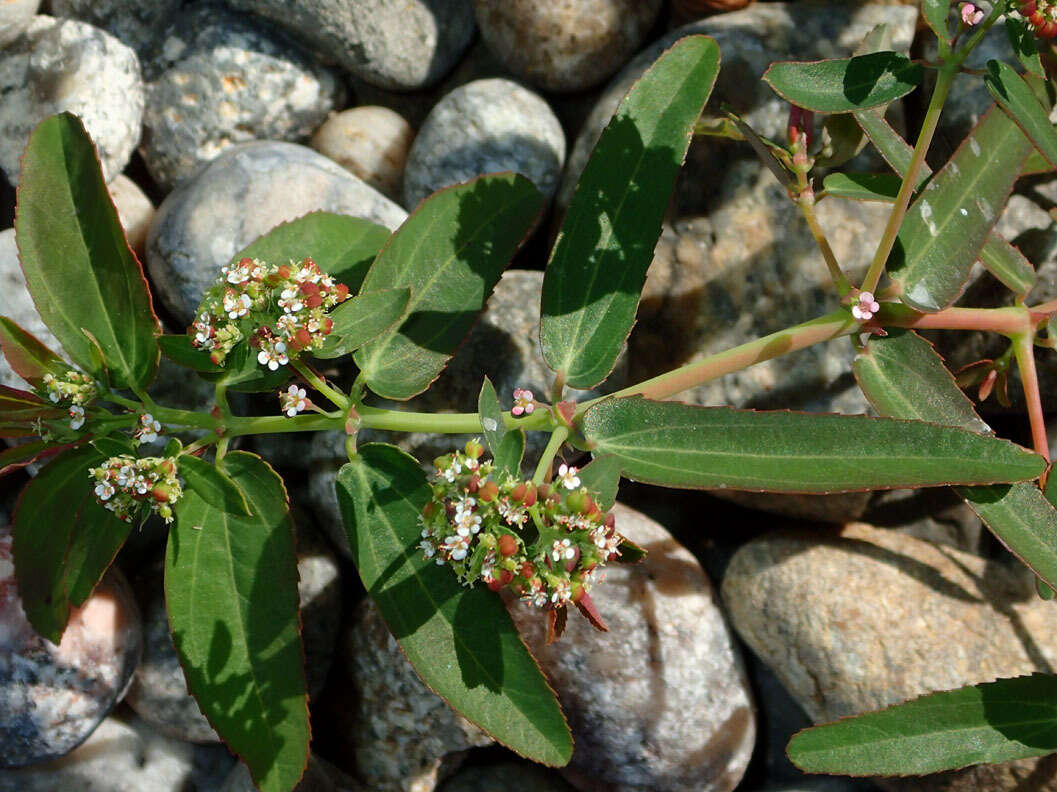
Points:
865	306
1042	16
524	404
70	387
546	543
280	309
148	430
131	487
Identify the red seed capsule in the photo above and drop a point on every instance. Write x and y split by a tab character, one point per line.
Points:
507	545
283	272
488	491
314	300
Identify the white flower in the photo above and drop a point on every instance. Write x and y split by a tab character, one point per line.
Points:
562	592
427	548
148	430
563	548
290	300
104	490
457	546
467	523
293	401
465	504
76	417
568	477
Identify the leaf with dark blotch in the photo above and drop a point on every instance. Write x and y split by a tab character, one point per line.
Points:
26	355
1000	258
1022	40
679	445
948	223
1018	100
598	266
881	187
83	277
342	246
231	592
992	722
212	485
902	376
841	86
362	319
602	477
451	252
460	640
935	13
491	413
64	544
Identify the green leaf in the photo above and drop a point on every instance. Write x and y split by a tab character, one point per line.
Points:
79	268
362	319
461	641
180	350
18	456
602	476
231	591
64	540
598	265
491	413
23	406
863	186
678	445
841	86
242	372
450	252
903	377
1022	40
342	246
510	452
1008	264
1018	100
947	225
213	486
992	722
1035	164
935	13
1000	258
26	355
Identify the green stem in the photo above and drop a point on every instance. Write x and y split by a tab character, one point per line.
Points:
443	423
557	438
806	202
1023	349
910	179
1007	321
110	396
201	442
221	399
337	398
832	325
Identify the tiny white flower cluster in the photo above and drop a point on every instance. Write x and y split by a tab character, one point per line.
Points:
280	309
524	404
131	487
148	429
293	400
547	543
70	387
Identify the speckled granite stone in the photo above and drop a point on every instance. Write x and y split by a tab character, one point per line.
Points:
219	78
134	22
402	45
485	126
405	738
64	65
320	776
53	697
18	306
239	196
371	142
866	618
661	701
565	45
125	755
15	16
